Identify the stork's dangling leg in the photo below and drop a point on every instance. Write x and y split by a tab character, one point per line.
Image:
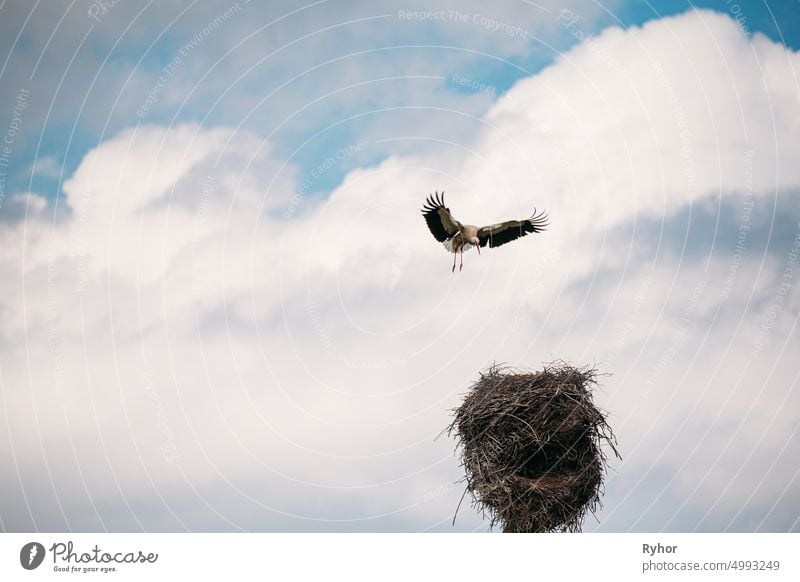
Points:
454	261
462	259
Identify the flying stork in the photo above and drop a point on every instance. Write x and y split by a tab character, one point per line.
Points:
459	237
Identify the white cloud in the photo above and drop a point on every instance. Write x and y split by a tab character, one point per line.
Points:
175	344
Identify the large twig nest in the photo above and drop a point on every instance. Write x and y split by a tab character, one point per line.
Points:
532	447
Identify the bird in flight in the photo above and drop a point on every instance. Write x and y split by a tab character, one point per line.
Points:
458	237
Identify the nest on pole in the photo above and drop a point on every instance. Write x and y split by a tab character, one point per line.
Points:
532	447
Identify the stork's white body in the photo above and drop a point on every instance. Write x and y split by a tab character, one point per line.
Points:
463	240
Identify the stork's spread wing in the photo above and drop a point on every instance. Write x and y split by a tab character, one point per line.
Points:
500	234
440	221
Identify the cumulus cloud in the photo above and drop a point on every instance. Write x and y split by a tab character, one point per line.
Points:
194	344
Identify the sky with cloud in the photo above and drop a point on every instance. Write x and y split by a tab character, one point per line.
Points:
220	308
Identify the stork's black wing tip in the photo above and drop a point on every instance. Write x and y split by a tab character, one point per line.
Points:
434	201
539	222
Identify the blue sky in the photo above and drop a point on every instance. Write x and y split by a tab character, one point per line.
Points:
221	311
111	46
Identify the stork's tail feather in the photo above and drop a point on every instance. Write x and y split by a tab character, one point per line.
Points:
448	244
